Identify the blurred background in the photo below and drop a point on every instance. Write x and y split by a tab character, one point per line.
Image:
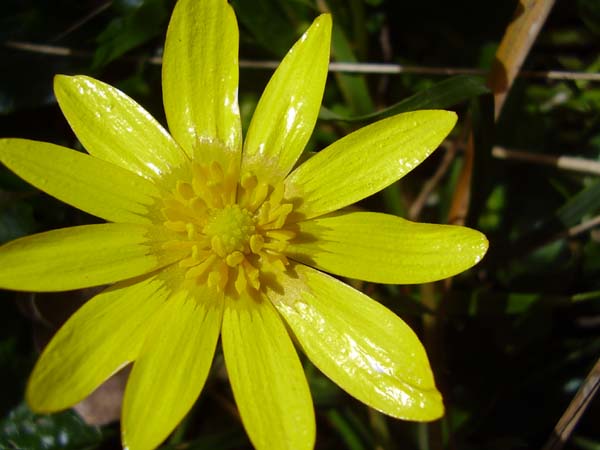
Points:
511	341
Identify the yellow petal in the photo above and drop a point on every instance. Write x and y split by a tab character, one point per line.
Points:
113	127
172	367
366	161
77	257
287	111
386	249
200	79
100	338
88	183
362	346
266	376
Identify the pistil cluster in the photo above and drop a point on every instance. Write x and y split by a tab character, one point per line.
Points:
233	230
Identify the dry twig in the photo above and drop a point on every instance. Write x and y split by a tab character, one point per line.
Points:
560	162
570	418
350	67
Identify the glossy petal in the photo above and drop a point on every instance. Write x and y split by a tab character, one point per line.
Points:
113	127
266	376
366	161
88	183
172	367
288	108
362	346
200	79
386	249
103	336
77	257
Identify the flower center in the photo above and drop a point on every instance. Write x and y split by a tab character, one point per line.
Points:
229	229
232	232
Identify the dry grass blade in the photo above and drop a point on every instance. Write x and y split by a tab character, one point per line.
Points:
566	424
514	47
516	43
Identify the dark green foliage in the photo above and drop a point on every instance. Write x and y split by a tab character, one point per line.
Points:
135	27
442	95
23	429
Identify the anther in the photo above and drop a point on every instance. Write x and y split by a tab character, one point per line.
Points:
277	246
177	245
281	234
240	282
248	181
200	269
234	259
258	196
176	225
216	171
191	230
263	213
185	190
252	274
214	279
217	246
198	205
276	195
256	243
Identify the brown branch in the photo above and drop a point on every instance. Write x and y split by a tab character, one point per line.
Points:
417	206
350	67
81	22
560	162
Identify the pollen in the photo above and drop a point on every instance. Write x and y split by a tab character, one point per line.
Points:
233	230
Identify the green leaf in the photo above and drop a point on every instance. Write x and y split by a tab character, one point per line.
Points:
483	178
497	304
16	220
23	429
585	202
218	440
345	429
440	96
129	31
353	86
589	12
270	22
15	352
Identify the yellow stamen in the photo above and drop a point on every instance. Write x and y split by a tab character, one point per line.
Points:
234	259
200	269
227	229
256	243
177	226
241	283
216	244
281	234
185	190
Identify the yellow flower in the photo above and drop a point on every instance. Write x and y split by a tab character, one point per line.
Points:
208	236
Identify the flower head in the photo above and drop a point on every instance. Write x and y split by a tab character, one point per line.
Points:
209	237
